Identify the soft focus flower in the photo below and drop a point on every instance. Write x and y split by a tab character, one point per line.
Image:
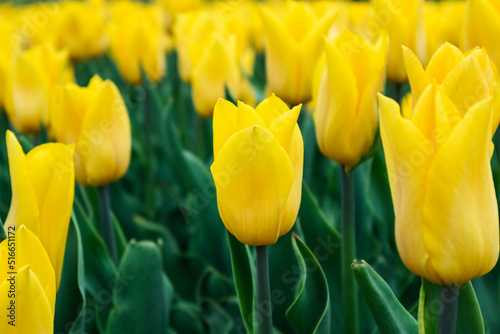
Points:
482	26
80	28
346	111
257	170
404	21
138	41
29	82
442	186
466	78
96	120
293	47
43	184
443	23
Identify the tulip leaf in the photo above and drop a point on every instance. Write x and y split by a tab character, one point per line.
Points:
391	317
310	307
121	241
71	302
3	235
185	319
324	241
244	280
469	317
141	294
217	319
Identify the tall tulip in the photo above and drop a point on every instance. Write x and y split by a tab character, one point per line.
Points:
465	78
42	195
96	120
404	21
482	25
257	169
346	111
293	46
442	186
29	84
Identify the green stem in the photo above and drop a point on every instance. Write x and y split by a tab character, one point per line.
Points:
264	307
448	309
349	292
106	223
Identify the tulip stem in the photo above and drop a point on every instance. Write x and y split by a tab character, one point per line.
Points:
264	307
448	309
348	228
106	223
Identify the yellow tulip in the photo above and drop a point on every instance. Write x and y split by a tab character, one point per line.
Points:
96	120
466	78
29	82
257	170
443	23
33	313
81	29
27	250
293	47
482	26
138	40
43	185
442	186
346	111
404	21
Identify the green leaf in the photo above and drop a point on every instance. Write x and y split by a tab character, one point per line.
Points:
217	320
391	317
244	280
324	241
141	293
469	317
310	307
185	319
3	235
71	302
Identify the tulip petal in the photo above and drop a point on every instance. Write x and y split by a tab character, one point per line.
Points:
284	127
224	123
443	61
29	251
271	108
416	74
33	313
253	176
247	117
51	172
460	213
408	156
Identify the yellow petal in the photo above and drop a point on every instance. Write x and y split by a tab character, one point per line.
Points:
271	108
51	173
416	74
443	61
460	212
247	117
33	313
284	126
408	156
253	176
224	123
29	251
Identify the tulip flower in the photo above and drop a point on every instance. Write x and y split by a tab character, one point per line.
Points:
346	111
257	169
443	23
137	40
29	82
482	26
81	29
466	78
442	186
28	251
95	119
42	195
404	21
293	47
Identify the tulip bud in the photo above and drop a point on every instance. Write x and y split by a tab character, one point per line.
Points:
43	184
465	78
257	170
442	186
404	22
293	46
482	26
346	112
29	82
96	120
